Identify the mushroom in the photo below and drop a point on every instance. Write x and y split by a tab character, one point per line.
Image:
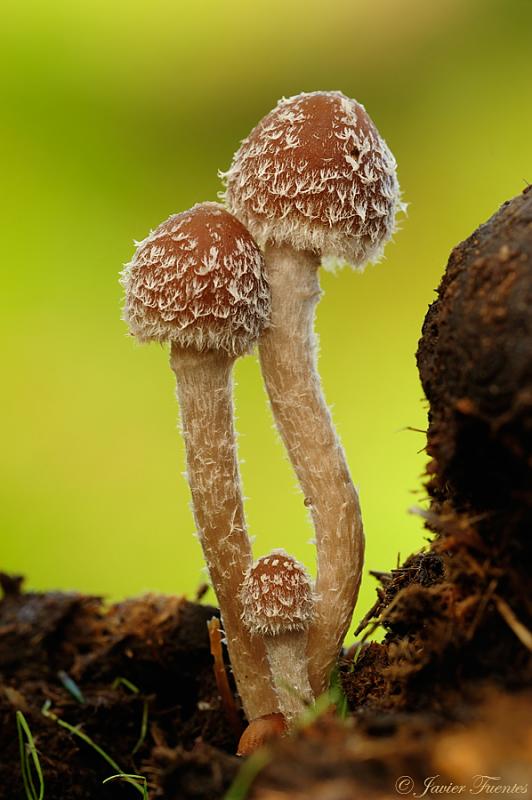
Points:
197	282
314	182
260	731
277	606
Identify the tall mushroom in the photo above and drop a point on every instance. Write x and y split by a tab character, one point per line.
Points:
314	182
197	282
277	604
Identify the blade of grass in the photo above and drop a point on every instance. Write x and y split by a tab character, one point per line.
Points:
87	739
337	694
29	751
143	728
71	686
121	777
120	681
247	774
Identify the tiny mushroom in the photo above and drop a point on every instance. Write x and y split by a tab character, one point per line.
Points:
260	731
314	183
197	282
277	606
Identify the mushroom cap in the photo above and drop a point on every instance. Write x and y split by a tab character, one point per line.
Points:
198	280
276	595
315	174
260	731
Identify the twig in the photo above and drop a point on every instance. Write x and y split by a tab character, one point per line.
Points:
520	630
483	602
201	591
220	674
374	625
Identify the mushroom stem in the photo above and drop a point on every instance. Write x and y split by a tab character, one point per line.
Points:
288	664
204	389
287	352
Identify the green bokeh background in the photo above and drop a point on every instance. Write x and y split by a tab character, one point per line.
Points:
115	115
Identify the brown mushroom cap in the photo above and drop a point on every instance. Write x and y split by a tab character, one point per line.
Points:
277	595
260	731
198	280
315	174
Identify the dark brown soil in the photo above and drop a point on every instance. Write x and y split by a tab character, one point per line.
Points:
159	644
457	617
448	692
475	363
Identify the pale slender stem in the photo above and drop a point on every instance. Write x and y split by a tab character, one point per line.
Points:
204	388
289	668
288	360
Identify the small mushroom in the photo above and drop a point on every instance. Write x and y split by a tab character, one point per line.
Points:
315	182
197	282
260	731
277	606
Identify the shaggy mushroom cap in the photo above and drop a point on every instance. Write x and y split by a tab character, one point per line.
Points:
315	174
197	280
277	595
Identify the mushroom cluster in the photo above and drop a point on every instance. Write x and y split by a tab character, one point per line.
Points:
313	183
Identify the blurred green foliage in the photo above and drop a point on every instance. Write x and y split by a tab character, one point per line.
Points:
115	115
